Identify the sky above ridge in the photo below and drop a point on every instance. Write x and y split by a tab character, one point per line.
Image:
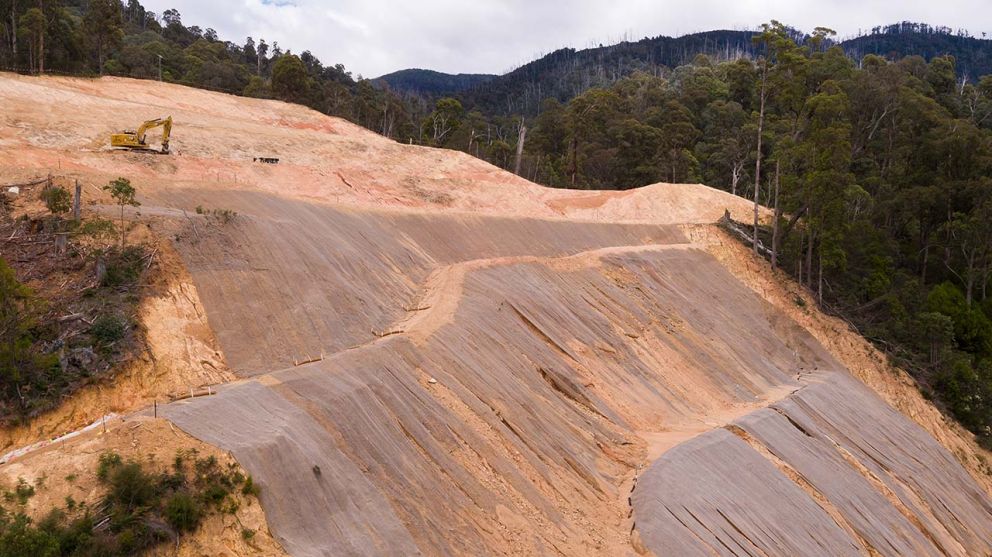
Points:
375	37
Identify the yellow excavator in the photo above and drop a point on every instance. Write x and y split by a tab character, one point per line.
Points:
135	140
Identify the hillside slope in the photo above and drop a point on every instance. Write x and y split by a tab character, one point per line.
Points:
436	357
430	82
568	72
63	124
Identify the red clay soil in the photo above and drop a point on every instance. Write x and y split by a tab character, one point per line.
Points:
489	366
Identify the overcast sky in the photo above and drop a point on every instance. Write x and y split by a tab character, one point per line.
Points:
374	37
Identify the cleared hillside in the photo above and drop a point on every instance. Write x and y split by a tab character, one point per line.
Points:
436	357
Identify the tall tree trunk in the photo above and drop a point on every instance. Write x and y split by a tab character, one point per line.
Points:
926	261
799	260
757	162
520	147
809	260
819	286
41	40
778	215
985	279
947	239
77	200
13	30
573	160
970	282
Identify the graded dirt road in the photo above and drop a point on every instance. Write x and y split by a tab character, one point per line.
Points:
436	357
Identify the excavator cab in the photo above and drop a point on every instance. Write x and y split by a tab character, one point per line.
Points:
135	140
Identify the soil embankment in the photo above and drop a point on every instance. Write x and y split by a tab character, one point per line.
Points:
429	355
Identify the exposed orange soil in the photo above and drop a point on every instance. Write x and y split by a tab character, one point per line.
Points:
858	355
491	364
62	125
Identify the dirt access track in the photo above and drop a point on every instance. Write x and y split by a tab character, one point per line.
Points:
436	357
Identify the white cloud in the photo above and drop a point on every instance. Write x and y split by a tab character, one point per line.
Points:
373	37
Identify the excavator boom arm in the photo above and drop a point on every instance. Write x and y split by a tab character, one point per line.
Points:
166	124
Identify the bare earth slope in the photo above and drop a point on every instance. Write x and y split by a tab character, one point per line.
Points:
436	357
63	125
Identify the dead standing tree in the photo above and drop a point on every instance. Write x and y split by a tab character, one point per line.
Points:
520	147
762	97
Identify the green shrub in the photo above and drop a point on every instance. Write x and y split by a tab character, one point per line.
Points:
214	493
20	539
250	487
23	491
182	512
109	461
131	487
57	199
77	537
123	267
108	329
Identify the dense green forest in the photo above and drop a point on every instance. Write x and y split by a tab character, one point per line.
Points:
566	73
878	166
880	173
430	82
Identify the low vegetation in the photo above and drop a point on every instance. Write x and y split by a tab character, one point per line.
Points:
24	368
67	315
223	216
139	509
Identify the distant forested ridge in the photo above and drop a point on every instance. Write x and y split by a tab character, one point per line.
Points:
973	56
566	73
429	82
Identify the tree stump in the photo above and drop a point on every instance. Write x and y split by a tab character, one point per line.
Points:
76	201
61	240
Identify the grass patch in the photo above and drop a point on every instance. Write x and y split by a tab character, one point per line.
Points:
97	228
